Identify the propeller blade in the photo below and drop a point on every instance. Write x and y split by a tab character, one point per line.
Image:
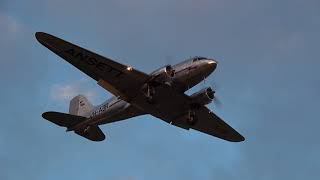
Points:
217	102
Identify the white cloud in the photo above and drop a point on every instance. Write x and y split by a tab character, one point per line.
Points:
63	93
9	23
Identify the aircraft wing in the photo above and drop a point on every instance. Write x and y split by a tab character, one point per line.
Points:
119	79
209	123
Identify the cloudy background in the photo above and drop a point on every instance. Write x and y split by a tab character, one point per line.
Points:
268	79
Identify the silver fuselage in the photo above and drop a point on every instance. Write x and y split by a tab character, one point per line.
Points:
187	74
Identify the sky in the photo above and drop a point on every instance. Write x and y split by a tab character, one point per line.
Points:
267	79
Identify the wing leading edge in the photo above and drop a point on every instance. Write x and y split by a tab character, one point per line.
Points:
119	79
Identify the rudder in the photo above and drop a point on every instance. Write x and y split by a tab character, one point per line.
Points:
80	106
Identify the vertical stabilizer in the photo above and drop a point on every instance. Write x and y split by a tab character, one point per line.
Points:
80	106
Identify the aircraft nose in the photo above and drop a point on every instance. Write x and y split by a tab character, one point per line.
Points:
211	64
211	61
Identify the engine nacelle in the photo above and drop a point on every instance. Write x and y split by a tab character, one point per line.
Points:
164	74
167	71
204	96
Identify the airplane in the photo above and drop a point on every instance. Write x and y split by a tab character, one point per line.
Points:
160	94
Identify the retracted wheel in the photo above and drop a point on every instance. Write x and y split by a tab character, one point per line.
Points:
150	100
86	130
149	94
192	118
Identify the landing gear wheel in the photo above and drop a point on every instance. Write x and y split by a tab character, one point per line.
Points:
86	130
150	100
149	94
192	119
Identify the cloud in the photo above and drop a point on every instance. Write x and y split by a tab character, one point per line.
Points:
9	24
63	93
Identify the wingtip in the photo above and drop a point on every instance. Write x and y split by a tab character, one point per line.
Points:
38	35
236	138
240	139
45	39
46	115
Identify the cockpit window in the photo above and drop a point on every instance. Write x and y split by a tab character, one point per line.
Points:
198	58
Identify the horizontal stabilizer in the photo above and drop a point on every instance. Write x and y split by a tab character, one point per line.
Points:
62	119
92	133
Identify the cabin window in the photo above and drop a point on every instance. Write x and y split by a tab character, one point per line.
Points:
198	58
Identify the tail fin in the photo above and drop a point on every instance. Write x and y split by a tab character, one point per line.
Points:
80	106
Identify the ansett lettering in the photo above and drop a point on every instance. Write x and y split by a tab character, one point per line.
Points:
91	61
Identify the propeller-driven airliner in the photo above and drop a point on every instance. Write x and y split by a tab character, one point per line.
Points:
160	94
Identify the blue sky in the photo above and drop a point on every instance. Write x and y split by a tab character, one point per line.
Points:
267	77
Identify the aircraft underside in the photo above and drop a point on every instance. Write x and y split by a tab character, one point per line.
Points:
160	94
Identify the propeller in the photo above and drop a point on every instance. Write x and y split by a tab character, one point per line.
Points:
217	102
